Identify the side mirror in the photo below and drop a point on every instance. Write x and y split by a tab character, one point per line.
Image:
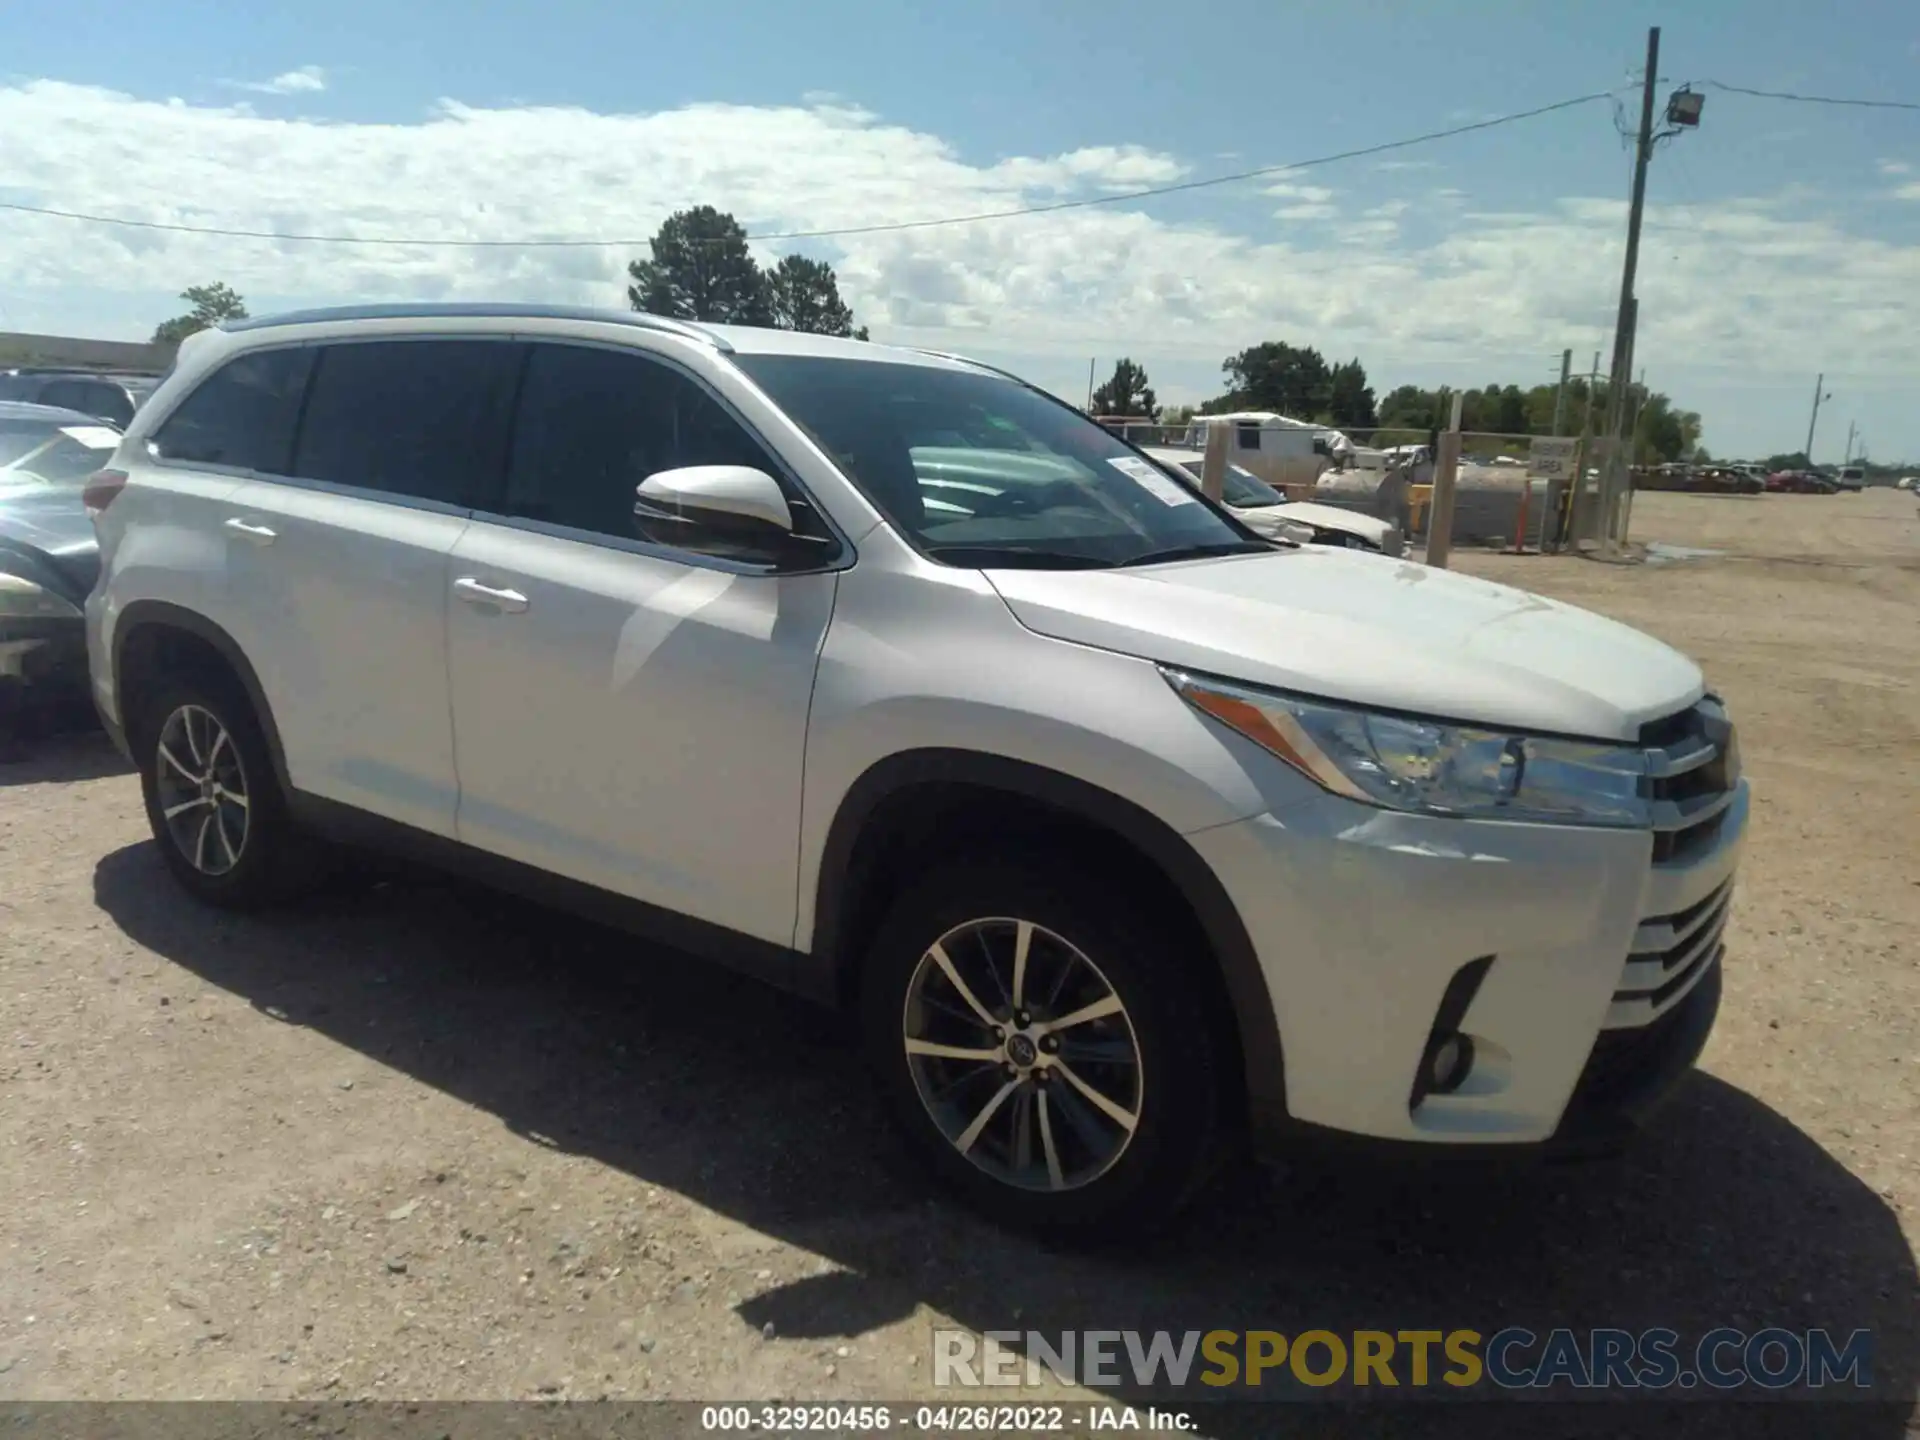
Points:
714	495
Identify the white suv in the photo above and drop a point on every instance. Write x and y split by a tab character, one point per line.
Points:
1123	831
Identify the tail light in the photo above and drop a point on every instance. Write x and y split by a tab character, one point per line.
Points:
101	488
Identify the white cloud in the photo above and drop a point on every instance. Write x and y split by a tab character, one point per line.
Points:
1909	191
306	80
1760	285
1393	165
1308	194
1895	167
1110	167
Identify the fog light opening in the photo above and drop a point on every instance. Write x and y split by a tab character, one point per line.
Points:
1447	1058
1452	1062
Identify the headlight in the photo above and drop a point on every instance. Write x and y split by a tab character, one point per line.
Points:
21	599
1429	766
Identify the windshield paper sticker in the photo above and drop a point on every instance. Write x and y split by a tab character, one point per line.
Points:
1164	489
94	437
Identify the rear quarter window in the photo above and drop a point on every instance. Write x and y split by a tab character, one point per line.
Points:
242	415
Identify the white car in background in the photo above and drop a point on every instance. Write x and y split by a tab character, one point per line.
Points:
1268	511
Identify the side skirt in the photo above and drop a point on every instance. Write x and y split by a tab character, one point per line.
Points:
779	965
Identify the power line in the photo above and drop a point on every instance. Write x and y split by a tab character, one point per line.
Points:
1814	99
847	230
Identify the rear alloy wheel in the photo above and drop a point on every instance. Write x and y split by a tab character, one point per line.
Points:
202	785
1044	1043
212	798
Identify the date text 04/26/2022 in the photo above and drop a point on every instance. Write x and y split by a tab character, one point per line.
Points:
941	1419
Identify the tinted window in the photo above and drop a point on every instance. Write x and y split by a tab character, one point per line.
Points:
1030	481
90	397
420	418
593	424
243	414
1249	436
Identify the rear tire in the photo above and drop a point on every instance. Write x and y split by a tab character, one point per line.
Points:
215	806
1104	1127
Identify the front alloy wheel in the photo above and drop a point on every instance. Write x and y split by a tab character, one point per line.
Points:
202	790
1043	1037
1023	1054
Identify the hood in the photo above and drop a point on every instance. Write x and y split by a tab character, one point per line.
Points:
1356	628
50	524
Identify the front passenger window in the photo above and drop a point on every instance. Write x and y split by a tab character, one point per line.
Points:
593	424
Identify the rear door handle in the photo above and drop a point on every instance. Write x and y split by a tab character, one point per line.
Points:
257	534
474	593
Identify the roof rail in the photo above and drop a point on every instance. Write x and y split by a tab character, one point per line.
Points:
978	365
468	309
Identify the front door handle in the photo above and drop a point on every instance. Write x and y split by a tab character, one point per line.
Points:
474	593
256	534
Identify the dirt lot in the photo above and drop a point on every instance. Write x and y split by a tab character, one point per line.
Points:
411	1140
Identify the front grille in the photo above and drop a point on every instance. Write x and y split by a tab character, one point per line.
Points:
1692	777
1670	953
1693	769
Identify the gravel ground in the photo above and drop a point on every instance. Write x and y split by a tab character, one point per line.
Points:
414	1140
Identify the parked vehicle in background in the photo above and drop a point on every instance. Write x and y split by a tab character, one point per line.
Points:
110	397
48	561
1121	829
1851	477
1907	482
1272	447
1799	482
1264	509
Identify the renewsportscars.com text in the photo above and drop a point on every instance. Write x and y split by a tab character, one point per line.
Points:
1513	1358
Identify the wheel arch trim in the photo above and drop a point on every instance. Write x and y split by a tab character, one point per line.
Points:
164	615
1255	1023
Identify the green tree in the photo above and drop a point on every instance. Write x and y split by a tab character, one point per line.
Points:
1126	392
1177	415
1408	407
1287	379
1350	398
211	305
1660	431
804	294
701	269
1794	460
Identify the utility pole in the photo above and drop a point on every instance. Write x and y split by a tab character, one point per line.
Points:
1819	389
1847	459
1624	326
1090	364
1560	396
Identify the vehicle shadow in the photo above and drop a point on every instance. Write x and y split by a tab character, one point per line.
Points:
58	758
753	1104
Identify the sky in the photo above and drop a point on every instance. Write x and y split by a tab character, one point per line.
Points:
1782	240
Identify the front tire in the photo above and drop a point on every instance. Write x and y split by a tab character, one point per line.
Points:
216	809
1042	1040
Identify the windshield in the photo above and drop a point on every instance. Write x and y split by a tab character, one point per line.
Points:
979	470
1239	487
36	451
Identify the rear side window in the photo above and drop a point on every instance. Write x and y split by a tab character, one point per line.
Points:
90	397
241	415
421	418
594	423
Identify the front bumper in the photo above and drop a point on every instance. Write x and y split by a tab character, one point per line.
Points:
43	670
1361	918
